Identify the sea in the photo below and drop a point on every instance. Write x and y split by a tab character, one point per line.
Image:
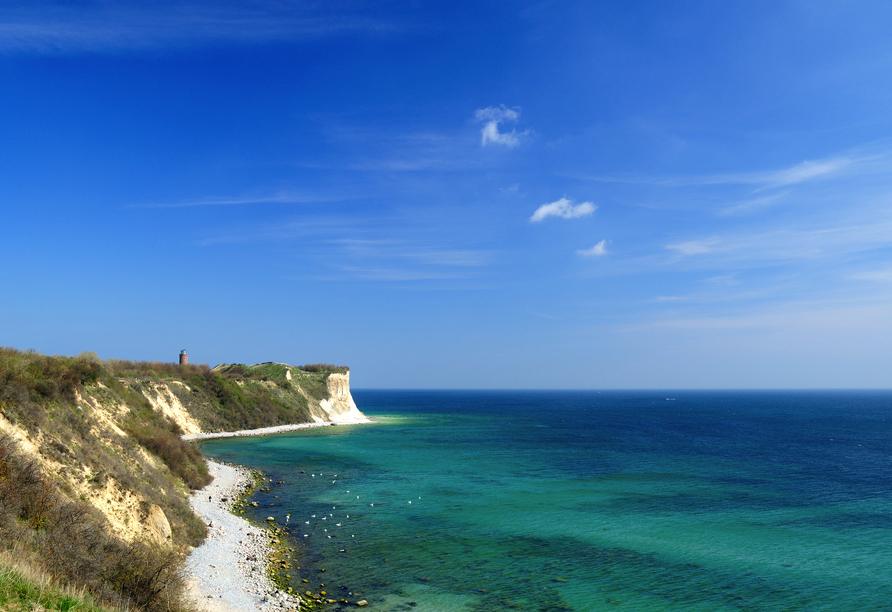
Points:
479	501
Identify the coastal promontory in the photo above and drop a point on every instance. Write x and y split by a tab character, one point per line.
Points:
95	474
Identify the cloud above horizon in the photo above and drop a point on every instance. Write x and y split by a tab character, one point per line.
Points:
598	250
492	116
693	247
563	208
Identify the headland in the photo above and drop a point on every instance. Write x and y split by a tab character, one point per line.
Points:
95	467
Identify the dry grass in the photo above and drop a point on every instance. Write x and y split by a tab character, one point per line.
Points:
67	434
70	542
26	588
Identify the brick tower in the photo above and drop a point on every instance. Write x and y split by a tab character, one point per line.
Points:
184	357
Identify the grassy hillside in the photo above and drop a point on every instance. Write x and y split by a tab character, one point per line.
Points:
25	589
85	456
78	440
234	396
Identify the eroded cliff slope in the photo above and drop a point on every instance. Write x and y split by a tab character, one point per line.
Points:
101	440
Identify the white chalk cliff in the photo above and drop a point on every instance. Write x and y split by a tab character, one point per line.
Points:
339	407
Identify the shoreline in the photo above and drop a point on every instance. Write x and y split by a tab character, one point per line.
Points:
268	430
228	571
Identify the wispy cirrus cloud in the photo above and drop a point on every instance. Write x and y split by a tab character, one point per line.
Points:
306	229
598	250
409	250
564	209
281	198
692	247
51	27
816	317
395	275
751	205
369	249
492	117
881	276
788	245
799	173
802	172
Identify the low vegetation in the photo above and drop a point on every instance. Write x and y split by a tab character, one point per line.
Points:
23	588
39	394
235	396
70	541
324	367
92	433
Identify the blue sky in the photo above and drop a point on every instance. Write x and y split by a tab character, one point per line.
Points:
455	194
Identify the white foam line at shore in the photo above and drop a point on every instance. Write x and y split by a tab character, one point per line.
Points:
263	430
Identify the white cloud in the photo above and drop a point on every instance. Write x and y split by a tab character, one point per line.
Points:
596	251
564	209
492	116
497	114
491	134
692	247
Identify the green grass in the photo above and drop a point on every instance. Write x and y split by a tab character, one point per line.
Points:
23	589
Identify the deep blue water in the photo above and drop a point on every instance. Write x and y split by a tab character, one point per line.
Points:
590	501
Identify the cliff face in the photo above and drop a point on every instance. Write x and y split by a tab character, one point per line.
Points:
164	400
339	407
301	397
95	475
108	440
307	396
84	445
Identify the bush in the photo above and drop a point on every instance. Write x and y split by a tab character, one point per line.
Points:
183	459
153	369
29	382
70	541
324	367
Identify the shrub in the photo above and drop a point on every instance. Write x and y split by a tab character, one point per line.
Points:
324	367
183	459
70	540
29	382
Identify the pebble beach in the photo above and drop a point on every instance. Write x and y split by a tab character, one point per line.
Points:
227	573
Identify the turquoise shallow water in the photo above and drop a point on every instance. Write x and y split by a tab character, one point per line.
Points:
588	501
